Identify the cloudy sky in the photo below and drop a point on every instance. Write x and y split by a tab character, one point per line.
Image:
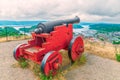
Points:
87	10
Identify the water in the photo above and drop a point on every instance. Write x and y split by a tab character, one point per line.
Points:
85	28
18	27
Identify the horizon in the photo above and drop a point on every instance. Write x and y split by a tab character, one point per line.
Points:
47	20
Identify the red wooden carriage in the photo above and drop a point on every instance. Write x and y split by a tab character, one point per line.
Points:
47	39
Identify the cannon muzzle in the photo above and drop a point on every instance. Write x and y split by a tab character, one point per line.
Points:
47	27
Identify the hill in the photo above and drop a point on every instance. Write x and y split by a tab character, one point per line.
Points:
102	27
20	23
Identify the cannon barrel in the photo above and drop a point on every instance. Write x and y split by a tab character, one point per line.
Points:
47	27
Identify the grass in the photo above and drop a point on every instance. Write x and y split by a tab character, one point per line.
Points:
23	63
81	61
108	51
35	68
13	38
43	77
95	48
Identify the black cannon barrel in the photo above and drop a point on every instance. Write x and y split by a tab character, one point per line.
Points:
47	27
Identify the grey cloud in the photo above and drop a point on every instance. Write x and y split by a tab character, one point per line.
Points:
88	10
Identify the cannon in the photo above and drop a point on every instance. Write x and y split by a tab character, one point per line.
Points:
47	39
49	26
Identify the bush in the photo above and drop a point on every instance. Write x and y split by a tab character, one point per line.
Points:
118	57
116	42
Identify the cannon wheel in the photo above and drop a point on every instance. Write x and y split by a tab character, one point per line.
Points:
75	48
16	52
51	63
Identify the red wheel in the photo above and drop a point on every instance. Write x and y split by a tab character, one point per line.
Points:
16	52
51	63
76	48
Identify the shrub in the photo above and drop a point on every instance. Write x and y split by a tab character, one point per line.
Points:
118	57
116	42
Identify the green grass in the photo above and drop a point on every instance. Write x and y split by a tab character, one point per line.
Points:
80	61
60	73
36	69
23	63
51	77
44	77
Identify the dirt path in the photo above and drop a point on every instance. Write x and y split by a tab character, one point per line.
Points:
7	72
96	68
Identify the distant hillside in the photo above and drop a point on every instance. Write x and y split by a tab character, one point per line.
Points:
9	30
105	27
86	23
28	30
19	23
77	26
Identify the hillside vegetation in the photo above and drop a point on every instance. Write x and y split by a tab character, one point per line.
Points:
8	31
27	30
106	27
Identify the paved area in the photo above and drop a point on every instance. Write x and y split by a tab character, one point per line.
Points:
7	71
96	68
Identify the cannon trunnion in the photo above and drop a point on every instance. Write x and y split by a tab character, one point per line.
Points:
47	39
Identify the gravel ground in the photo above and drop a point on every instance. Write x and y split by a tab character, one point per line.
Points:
96	68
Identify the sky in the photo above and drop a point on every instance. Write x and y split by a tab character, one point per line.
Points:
87	10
